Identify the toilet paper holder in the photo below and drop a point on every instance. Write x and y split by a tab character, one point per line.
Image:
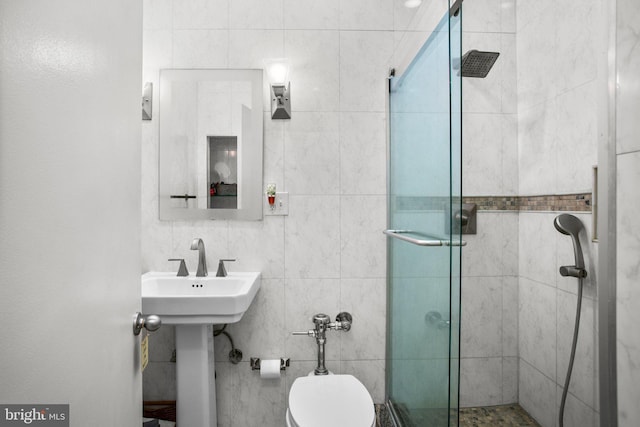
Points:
254	362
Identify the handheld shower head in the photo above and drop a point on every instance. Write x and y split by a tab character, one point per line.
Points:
571	226
568	224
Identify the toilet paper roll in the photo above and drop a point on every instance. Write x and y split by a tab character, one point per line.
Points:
270	369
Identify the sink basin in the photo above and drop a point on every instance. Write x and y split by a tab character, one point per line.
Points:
195	300
193	304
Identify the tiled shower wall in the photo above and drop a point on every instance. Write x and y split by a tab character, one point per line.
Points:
628	206
328	255
535	137
489	340
557	148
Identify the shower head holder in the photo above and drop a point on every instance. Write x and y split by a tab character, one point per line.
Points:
571	226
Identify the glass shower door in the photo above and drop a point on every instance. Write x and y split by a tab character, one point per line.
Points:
424	236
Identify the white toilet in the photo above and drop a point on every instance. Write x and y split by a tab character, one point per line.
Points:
330	401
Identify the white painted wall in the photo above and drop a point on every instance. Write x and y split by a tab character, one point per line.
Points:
69	209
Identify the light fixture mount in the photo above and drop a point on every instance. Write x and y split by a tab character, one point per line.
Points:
277	70
281	101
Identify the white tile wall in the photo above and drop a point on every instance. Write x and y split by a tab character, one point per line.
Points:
536	232
370	372
534	137
537	326
628	245
303	299
537	126
491	251
628	291
584	379
481	334
247	48
547	307
364	68
312	153
361	222
309	14
312	237
557	147
516	142
484	152
363	159
329	254
537	394
200	48
268	309
361	298
366	15
576	413
628	63
489	336
200	14
315	61
255	14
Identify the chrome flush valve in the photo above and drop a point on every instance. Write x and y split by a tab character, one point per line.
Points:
343	322
323	322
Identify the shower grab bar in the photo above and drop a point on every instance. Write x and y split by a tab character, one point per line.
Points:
432	241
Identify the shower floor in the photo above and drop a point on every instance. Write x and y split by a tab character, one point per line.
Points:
491	416
504	415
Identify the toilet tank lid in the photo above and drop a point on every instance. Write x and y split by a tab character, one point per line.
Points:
330	400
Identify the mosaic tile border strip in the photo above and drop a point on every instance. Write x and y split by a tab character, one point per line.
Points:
580	202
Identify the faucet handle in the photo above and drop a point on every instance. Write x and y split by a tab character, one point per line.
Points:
182	270
222	272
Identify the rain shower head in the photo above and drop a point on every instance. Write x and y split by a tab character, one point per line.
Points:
571	226
476	63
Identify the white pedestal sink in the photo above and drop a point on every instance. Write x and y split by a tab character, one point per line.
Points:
194	304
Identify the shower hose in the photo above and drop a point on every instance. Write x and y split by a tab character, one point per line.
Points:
573	353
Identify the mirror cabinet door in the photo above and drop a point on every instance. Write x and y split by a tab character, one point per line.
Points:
210	144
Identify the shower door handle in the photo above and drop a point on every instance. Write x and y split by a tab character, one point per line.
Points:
429	241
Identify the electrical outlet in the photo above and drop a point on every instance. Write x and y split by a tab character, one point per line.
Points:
280	207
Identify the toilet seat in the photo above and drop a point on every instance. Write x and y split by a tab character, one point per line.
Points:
330	401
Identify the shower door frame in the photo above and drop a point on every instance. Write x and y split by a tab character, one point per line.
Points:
605	212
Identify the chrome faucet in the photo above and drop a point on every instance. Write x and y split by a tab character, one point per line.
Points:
198	245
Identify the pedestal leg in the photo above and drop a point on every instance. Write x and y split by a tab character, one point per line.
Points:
195	375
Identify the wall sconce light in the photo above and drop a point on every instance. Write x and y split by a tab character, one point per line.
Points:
278	75
412	4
